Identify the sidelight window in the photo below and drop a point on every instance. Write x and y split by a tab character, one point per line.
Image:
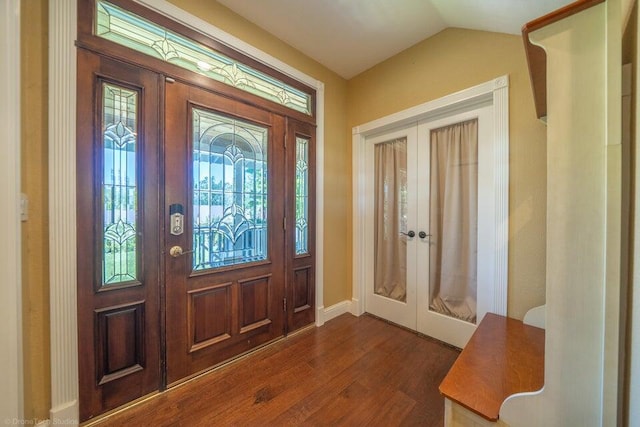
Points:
119	184
302	195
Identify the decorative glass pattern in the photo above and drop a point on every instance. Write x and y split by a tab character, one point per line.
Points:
128	29
229	191
119	184
302	195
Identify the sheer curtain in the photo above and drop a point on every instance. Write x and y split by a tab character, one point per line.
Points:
454	220
390	248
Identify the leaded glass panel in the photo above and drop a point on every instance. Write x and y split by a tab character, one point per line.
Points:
302	195
229	191
119	184
130	30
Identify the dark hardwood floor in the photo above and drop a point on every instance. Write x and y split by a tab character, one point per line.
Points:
352	371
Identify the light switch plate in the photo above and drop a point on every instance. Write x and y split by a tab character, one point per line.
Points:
24	207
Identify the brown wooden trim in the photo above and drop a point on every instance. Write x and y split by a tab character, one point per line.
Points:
537	57
503	357
161	226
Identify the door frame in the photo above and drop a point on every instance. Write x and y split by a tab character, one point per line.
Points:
494	93
62	185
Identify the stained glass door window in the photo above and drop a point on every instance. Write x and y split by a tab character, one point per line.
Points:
302	195
119	184
229	191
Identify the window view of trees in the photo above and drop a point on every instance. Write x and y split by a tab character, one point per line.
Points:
229	191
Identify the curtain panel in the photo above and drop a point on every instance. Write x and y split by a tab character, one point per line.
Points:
390	219
454	220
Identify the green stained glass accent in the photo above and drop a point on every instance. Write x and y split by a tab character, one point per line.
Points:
119	184
128	29
230	191
302	195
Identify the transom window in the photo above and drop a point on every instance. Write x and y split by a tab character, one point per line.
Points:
130	30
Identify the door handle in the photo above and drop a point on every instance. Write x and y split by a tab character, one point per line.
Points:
422	235
176	251
411	233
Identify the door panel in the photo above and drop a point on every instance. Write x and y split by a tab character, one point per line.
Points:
434	319
301	224
225	293
390	220
118	245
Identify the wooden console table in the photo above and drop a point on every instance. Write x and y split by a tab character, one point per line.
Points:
503	357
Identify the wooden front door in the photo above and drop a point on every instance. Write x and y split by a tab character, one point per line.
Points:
225	257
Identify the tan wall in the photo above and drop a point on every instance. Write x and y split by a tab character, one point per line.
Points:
337	145
453	60
35	232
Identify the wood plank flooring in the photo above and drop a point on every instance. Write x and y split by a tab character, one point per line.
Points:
353	371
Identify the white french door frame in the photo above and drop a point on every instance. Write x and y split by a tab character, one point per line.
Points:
62	186
494	93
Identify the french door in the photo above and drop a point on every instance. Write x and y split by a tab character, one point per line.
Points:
427	255
391	242
196	230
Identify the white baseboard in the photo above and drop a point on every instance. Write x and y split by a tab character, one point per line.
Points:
320	316
65	415
336	310
356	308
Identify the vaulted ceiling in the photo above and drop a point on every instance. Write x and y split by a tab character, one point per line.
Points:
351	36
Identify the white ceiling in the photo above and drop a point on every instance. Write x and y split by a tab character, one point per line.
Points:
351	36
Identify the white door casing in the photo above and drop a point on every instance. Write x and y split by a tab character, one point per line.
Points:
11	394
493	98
